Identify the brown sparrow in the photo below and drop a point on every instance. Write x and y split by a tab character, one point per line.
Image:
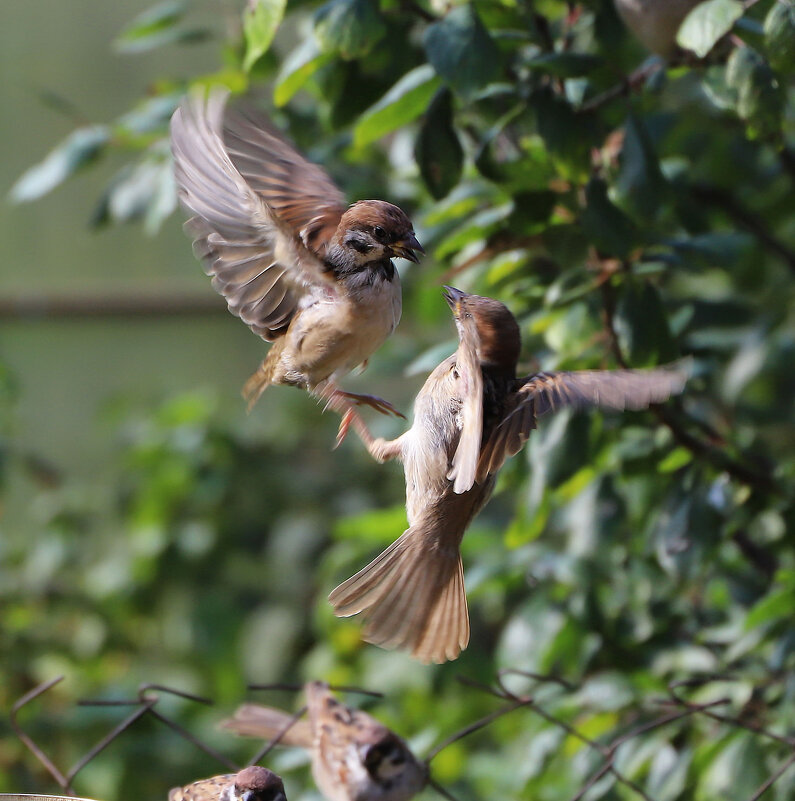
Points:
354	757
471	414
250	784
300	268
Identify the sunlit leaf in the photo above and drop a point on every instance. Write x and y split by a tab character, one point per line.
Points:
402	104
297	69
261	19
706	23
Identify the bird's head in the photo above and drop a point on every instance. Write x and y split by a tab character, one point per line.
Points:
256	783
373	231
390	763
491	323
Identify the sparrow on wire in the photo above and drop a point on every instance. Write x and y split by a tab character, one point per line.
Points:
250	784
354	757
471	414
298	265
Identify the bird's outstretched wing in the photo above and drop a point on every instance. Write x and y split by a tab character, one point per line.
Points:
256	259
546	392
301	193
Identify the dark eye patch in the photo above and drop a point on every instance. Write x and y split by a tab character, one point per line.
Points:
379	233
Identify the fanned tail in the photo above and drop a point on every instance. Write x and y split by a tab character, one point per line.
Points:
412	595
265	723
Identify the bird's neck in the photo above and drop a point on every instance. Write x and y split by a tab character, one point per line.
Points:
348	265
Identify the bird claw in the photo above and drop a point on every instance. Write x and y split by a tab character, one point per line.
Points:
379	404
345	424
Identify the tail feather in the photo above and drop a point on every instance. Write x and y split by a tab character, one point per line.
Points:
412	596
253	720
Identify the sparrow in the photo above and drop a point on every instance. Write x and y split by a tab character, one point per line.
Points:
250	784
471	414
301	268
354	757
655	22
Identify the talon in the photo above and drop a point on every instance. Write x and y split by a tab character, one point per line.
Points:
379	404
345	425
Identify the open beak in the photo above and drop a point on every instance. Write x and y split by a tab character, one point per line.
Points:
453	297
405	248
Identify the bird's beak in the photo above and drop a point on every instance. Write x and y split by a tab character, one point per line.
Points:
454	297
405	248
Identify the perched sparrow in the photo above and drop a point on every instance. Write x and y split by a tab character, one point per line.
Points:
297	266
251	784
472	413
354	757
655	22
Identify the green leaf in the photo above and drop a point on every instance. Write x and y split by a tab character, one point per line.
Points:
642	326
567	135
297	69
78	149
349	27
780	37
404	102
706	23
760	101
640	180
612	232
260	21
438	152
677	458
155	27
462	52
564	65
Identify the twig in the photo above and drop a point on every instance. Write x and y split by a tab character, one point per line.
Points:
699	448
752	223
631	83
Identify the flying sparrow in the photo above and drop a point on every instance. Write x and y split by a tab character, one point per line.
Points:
471	414
293	261
354	757
250	784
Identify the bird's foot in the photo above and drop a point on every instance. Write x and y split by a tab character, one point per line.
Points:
379	404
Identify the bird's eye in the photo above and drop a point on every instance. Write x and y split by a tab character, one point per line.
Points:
379	232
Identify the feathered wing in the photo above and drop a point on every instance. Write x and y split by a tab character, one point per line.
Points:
412	596
299	192
545	392
256	260
265	723
470	385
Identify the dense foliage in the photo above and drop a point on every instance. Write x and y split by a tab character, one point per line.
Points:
629	212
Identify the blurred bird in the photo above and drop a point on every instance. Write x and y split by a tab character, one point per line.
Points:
471	414
655	22
250	784
297	266
354	757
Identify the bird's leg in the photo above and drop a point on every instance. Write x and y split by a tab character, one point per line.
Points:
379	404
382	450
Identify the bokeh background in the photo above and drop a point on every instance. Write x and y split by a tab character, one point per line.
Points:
628	210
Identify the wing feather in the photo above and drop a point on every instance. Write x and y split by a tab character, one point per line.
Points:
256	260
548	392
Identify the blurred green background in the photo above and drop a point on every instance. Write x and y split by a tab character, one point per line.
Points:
152	531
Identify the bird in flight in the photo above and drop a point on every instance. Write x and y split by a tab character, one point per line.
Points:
299	266
471	414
